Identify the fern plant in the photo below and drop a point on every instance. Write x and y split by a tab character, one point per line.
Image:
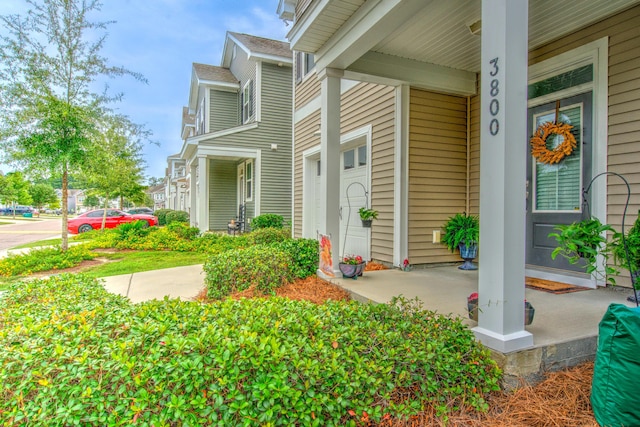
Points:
461	228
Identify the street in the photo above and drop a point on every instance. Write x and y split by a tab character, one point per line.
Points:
25	231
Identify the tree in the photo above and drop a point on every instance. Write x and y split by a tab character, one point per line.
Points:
49	62
15	191
42	194
92	201
153	181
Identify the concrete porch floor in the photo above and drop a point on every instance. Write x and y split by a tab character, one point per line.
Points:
565	326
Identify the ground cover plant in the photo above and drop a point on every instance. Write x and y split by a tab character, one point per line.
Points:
44	259
72	354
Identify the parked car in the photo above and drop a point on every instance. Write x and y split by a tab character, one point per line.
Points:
19	210
147	211
93	220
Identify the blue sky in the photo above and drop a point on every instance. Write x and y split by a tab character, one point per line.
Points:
161	39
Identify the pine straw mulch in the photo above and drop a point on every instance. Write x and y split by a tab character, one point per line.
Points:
561	400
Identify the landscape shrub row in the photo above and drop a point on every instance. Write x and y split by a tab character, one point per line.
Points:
44	259
72	354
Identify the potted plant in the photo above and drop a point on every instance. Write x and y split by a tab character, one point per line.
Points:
583	241
367	216
352	266
462	232
472	308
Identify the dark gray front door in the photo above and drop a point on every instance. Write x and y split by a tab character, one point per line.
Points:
554	192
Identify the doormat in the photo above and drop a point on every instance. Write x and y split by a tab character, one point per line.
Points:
551	286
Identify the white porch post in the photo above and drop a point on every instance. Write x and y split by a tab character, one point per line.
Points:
193	195
203	193
503	141
330	158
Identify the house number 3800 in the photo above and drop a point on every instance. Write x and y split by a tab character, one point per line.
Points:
494	104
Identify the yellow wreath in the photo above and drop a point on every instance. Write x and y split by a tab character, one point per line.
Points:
538	141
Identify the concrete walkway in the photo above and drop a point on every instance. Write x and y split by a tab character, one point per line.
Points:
178	282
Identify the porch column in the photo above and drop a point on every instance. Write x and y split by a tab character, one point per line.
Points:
503	144
203	193
193	195
330	158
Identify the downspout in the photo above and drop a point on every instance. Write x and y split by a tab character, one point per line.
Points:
468	192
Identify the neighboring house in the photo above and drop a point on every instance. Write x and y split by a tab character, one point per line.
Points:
157	194
425	104
237	133
176	184
75	200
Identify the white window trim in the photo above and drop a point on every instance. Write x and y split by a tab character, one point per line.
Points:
249	181
246	100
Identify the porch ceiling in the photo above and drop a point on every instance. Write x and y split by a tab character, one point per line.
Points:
439	33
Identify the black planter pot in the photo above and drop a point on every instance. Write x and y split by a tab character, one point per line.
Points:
351	271
366	223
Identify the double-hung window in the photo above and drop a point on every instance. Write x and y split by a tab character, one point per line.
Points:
247	101
305	62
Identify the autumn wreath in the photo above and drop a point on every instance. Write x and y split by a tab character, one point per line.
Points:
539	148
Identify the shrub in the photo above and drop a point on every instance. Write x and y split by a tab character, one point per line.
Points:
162	215
133	229
267	220
266	236
215	243
44	259
236	270
304	255
183	230
177	216
72	354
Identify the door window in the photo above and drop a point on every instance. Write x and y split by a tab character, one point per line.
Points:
558	187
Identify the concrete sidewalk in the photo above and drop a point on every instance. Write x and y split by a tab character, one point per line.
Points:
177	282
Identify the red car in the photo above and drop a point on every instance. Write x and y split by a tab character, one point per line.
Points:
92	220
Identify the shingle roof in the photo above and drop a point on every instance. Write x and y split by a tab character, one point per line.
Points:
213	73
264	46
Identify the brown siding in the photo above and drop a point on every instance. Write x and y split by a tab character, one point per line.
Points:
474	155
623	149
437	170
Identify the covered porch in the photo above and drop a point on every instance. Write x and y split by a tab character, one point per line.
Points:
488	52
564	328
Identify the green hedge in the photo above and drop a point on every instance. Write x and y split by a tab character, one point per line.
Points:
262	266
303	254
72	354
161	214
265	236
177	216
267	220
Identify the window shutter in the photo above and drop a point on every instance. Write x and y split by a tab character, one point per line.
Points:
251	99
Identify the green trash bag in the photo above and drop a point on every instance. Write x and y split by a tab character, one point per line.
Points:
614	389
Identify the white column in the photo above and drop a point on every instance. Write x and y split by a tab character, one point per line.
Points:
503	144
330	158
401	176
203	193
193	195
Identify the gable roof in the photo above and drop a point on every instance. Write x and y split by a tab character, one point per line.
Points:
260	48
212	76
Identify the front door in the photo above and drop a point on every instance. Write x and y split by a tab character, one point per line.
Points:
354	194
554	191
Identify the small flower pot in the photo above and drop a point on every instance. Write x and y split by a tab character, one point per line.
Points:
351	271
468	253
366	223
472	307
529	311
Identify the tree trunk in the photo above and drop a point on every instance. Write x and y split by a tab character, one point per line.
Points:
65	208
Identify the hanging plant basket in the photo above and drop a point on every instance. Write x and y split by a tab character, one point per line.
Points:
366	223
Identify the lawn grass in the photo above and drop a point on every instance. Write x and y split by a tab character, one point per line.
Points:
5	223
135	262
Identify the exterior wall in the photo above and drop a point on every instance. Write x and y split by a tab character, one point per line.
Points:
222	193
224	110
437	170
374	104
623	155
307	90
365	104
304	139
474	154
244	70
275	166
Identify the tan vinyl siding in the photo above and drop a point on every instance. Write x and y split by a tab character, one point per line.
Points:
437	170
307	90
223	110
222	193
364	104
474	155
304	140
623	148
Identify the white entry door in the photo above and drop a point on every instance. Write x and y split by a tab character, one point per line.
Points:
354	194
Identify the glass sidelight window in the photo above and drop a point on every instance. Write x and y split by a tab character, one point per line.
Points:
558	186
